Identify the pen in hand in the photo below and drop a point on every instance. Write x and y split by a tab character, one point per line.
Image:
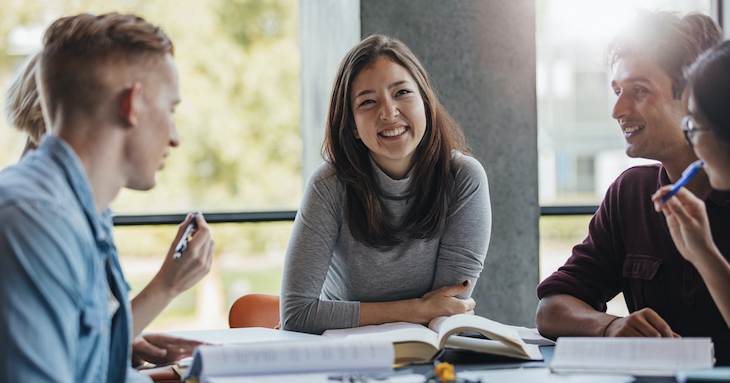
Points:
182	245
687	176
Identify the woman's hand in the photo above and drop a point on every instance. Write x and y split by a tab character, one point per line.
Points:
444	302
178	275
440	302
161	349
688	224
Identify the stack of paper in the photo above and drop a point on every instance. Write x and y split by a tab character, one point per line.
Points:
633	356
288	357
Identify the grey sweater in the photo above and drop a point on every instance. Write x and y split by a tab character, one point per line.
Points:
327	273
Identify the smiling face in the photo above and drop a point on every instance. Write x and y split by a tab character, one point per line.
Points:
714	151
390	115
154	133
648	114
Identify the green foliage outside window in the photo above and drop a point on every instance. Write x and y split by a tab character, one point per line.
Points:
238	63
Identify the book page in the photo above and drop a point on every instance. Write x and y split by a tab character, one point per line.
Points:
291	357
494	347
446	326
503	340
396	332
532	336
241	335
639	356
528	335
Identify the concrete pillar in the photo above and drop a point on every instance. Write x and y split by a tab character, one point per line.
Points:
327	30
481	58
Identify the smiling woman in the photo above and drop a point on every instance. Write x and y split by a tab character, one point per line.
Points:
389	115
395	226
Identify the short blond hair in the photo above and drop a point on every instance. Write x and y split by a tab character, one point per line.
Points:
22	104
76	48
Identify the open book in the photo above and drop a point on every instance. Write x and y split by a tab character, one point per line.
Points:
211	363
414	343
633	356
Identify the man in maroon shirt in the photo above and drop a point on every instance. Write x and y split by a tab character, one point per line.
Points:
628	248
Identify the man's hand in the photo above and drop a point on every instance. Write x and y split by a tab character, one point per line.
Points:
178	275
643	323
161	349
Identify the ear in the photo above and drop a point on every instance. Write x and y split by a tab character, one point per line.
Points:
685	99
355	133
129	105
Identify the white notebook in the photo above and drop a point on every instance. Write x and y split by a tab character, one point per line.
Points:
289	357
634	356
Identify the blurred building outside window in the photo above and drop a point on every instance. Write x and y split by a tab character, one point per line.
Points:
580	147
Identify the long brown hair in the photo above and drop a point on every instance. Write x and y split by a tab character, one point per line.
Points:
431	175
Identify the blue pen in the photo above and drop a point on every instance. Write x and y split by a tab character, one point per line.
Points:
687	176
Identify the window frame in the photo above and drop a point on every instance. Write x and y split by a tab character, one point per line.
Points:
289	215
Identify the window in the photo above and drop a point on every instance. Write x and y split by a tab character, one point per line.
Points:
580	148
238	62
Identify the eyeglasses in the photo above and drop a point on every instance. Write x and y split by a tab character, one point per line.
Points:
690	128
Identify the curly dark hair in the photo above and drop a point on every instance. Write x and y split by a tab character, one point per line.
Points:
671	42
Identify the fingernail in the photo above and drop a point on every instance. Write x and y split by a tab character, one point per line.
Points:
466	283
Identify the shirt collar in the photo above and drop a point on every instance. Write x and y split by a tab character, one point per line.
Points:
388	186
66	159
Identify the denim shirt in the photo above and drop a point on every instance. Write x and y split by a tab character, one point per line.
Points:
58	263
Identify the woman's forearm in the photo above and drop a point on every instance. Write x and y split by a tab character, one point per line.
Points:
408	310
443	301
715	272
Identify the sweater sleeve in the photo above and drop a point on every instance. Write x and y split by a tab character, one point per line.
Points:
590	272
308	257
465	240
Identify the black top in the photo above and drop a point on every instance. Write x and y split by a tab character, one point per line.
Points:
629	249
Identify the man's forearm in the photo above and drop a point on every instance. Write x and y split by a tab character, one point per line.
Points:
148	304
565	315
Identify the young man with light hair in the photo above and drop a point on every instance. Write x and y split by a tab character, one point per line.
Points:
629	248
108	86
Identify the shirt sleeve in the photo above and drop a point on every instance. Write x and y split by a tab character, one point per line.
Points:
591	273
467	231
134	376
308	256
40	294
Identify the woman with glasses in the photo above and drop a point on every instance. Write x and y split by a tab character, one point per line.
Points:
707	129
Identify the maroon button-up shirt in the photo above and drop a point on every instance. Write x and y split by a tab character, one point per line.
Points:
629	249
